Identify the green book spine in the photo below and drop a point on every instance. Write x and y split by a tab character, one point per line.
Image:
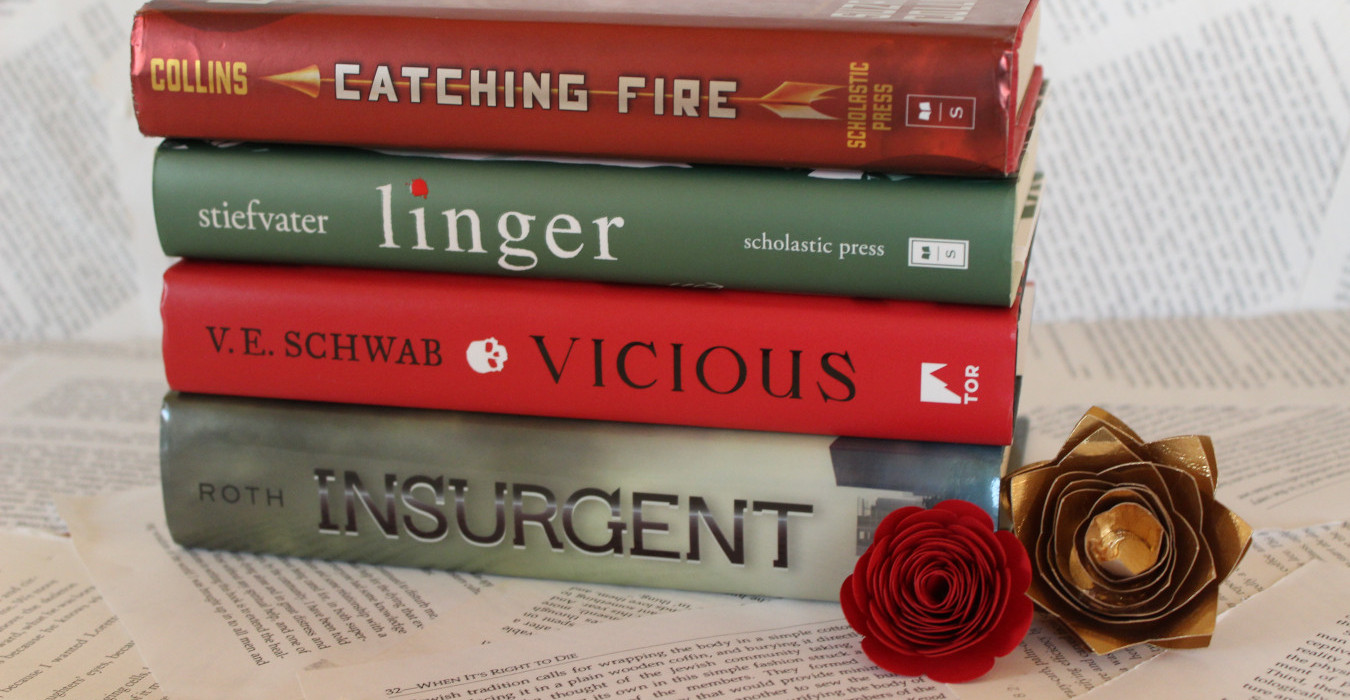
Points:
959	240
698	509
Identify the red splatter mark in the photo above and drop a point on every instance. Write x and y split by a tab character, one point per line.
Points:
418	187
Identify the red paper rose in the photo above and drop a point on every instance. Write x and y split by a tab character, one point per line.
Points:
939	592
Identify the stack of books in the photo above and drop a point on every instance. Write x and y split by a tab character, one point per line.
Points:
736	280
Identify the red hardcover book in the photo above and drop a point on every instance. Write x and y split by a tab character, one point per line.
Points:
909	86
720	358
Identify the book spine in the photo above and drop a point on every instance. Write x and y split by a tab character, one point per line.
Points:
817	98
708	226
721	358
698	509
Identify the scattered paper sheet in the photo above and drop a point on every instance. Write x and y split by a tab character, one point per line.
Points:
1195	155
1270	360
251	622
1274	554
76	418
775	649
540	606
1049	665
1291	641
58	638
78	251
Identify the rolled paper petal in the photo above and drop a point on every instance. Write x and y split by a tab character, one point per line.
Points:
1015	556
892	660
1193	454
1126	541
1126	593
957	668
1012	629
1229	536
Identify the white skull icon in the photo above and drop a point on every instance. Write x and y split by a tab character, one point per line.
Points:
486	356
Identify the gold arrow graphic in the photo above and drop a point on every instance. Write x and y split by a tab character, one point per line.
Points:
794	100
305	80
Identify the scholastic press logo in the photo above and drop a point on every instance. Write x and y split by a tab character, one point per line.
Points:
934	389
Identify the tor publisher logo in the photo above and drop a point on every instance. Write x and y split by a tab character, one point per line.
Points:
935	386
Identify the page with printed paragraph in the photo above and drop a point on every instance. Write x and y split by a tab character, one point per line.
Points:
1195	155
75	418
58	637
1291	641
774	649
251	622
1048	666
1283	358
79	257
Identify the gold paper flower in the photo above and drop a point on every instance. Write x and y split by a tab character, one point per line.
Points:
1127	543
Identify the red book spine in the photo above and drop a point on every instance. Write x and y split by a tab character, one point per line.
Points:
789	94
749	360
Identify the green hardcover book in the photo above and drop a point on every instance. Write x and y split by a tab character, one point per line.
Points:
673	507
932	238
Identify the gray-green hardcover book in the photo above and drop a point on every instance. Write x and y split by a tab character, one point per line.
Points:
673	507
962	240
